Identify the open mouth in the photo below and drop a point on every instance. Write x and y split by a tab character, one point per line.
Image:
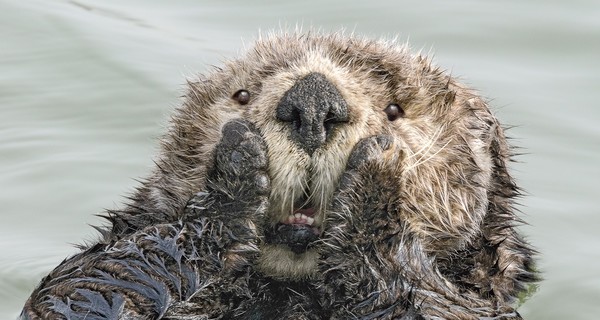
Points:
298	230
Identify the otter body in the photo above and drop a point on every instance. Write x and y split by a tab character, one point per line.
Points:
317	177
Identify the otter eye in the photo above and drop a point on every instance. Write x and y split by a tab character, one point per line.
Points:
242	96
393	111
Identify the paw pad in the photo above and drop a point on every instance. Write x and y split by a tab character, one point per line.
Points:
242	151
369	150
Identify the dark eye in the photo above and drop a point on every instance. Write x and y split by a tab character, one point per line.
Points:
393	111
242	97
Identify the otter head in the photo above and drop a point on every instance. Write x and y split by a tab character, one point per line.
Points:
313	98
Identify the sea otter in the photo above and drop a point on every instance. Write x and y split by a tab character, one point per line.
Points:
317	177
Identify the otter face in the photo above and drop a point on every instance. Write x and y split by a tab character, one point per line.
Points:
313	98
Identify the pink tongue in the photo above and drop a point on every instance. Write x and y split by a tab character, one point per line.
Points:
309	212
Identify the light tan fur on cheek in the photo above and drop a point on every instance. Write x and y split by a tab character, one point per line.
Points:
446	191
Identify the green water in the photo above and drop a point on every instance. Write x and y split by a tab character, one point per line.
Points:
86	88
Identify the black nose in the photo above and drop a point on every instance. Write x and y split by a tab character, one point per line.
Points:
313	107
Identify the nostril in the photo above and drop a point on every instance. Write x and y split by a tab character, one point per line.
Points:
330	121
290	115
296	120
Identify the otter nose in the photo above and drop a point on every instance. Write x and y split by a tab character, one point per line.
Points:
313	107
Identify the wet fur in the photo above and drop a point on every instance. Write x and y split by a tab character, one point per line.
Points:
417	213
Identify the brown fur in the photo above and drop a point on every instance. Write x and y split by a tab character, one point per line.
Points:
417	214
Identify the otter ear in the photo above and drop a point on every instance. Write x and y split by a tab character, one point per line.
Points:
506	256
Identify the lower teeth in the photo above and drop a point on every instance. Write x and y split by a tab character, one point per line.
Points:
299	218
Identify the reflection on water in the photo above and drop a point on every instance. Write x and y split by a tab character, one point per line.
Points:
86	87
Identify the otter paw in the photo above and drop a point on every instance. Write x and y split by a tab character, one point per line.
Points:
369	150
367	155
238	184
364	210
362	227
241	157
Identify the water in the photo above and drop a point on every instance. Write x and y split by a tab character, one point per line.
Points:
86	88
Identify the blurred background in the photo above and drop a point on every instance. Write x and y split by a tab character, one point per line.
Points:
86	88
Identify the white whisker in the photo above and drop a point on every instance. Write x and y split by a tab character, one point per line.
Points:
428	158
428	147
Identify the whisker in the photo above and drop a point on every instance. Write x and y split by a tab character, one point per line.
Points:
426	147
428	158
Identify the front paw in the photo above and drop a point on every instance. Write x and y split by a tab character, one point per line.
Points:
361	227
367	195
358	215
225	216
241	157
237	184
